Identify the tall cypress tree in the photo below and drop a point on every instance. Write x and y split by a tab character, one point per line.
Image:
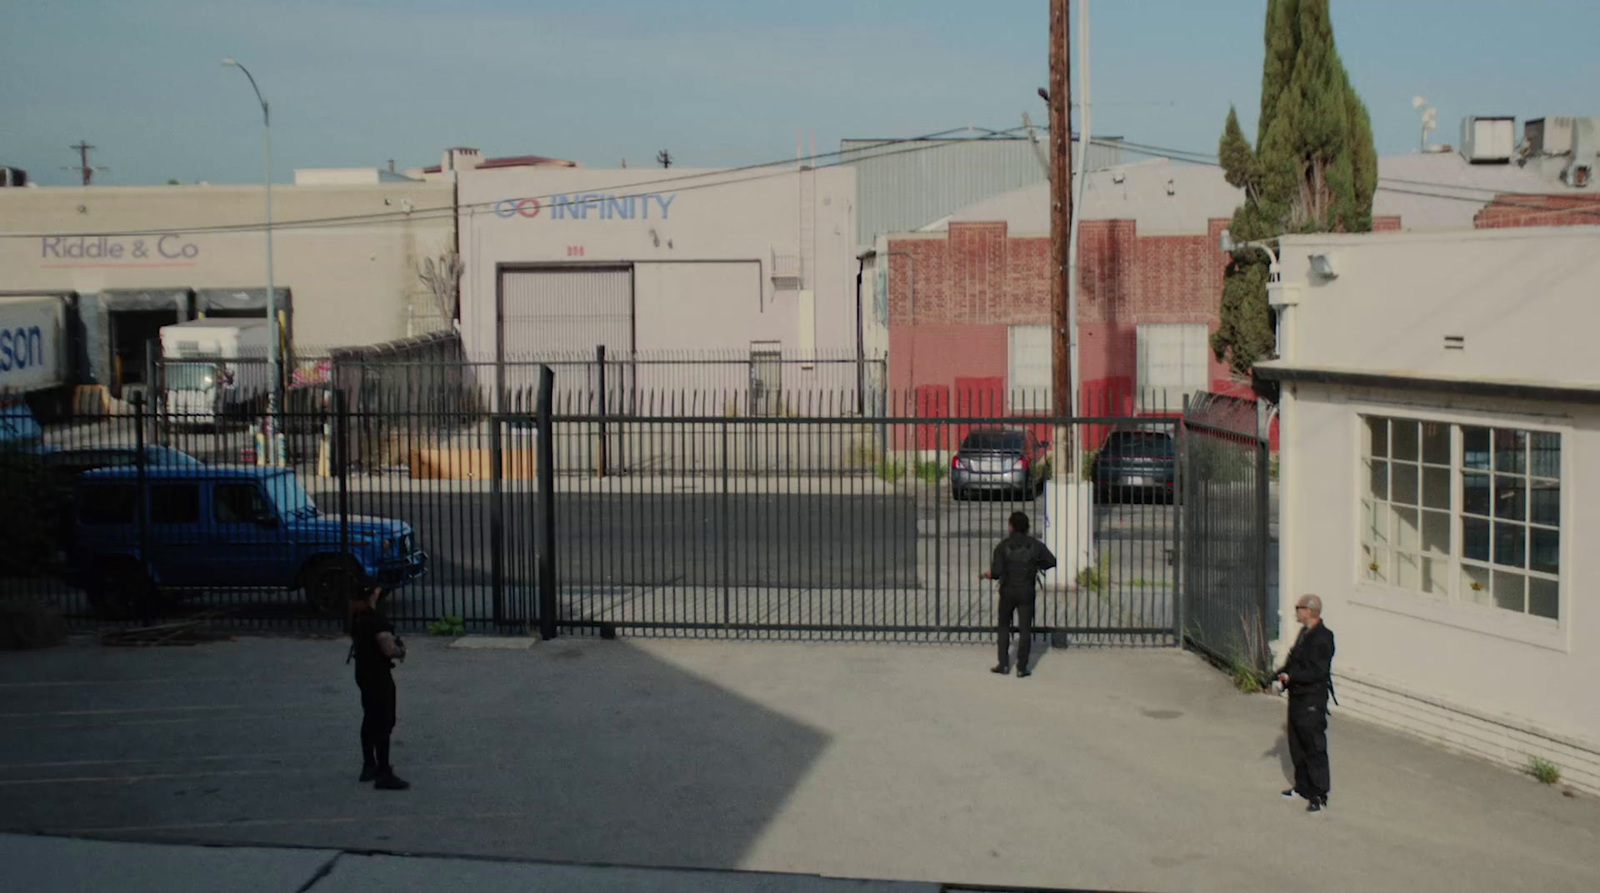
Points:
1313	168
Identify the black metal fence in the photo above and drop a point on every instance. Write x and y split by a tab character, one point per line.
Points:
675	523
1230	609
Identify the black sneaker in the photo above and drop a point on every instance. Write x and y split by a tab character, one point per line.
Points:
1317	806
1023	672
1289	794
369	771
1002	669
391	782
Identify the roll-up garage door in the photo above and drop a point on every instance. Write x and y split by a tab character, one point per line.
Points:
559	316
551	312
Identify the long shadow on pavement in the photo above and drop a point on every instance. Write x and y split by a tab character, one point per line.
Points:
577	750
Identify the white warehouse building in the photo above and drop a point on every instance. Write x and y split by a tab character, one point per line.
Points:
745	265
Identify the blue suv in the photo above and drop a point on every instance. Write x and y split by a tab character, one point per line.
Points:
138	536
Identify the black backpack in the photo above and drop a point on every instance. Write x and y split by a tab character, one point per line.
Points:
1019	562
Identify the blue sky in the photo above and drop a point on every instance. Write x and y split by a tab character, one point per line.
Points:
718	82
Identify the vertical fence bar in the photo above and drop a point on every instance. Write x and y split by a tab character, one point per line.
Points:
342	467
141	505
723	530
497	519
938	518
1263	509
600	458
547	505
1181	501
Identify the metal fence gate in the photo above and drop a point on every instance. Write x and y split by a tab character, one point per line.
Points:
833	526
1229	601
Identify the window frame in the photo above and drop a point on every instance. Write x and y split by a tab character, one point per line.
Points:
1454	607
262	500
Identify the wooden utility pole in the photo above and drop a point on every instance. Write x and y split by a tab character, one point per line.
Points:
1060	93
83	168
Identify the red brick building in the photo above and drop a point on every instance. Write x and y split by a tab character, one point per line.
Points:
968	302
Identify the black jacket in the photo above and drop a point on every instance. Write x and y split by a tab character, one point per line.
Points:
1018	561
1310	663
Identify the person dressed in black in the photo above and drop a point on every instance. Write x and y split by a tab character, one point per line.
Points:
374	647
1307	675
1018	561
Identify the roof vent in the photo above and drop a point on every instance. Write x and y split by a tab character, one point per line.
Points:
1488	140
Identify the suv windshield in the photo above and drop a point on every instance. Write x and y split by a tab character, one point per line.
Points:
287	494
993	440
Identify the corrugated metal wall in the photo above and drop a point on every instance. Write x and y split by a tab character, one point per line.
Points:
902	186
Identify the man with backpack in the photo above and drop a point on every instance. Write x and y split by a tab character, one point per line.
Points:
1019	560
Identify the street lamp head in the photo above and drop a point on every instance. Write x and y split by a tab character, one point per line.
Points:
229	63
1227	241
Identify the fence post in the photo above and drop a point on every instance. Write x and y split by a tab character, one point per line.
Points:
341	464
1181	495
723	525
938	516
152	353
600	463
1263	509
139	439
547	506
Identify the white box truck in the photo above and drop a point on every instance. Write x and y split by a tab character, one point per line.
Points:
33	346
213	369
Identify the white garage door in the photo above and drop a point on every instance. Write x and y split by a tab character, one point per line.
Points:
566	311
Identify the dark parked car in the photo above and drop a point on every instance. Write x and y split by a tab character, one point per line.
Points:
999	460
1136	462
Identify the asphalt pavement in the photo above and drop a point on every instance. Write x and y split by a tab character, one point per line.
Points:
1109	768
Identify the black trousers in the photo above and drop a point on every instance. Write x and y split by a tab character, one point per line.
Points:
1308	746
377	717
1022	607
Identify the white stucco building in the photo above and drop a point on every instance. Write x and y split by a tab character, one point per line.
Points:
346	257
1440	421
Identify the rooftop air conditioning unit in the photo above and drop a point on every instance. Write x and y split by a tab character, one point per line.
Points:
1548	136
1585	143
1488	140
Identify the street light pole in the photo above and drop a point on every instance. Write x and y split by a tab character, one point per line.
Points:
274	330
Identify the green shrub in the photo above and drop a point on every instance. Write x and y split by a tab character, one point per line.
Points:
449	625
930	472
891	470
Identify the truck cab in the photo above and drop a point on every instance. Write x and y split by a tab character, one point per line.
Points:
213	369
144	536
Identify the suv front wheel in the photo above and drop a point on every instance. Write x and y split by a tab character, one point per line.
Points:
330	583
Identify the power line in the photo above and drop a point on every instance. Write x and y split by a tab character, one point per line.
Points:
782	168
768	169
1425	189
